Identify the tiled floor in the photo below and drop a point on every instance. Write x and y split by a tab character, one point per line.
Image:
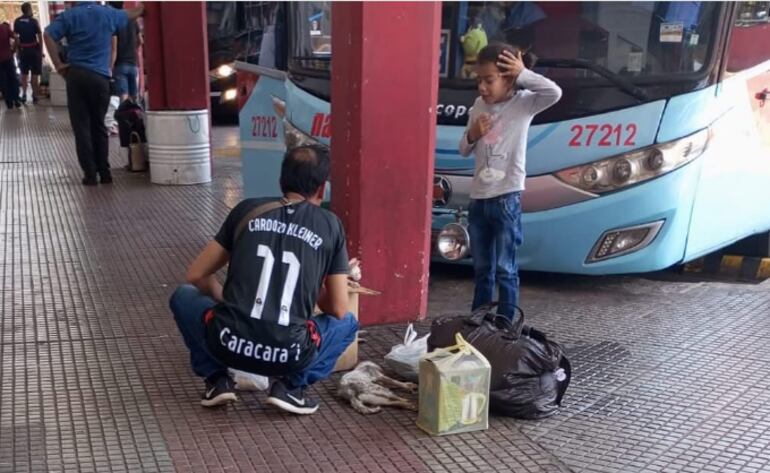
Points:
669	375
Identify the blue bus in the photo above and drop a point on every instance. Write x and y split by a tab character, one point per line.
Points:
657	154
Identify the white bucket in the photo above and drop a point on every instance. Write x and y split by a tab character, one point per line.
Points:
57	87
179	147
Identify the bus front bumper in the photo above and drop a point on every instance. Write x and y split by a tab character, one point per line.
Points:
566	239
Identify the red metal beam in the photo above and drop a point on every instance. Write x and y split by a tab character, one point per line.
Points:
384	89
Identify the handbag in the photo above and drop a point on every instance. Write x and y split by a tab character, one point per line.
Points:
137	158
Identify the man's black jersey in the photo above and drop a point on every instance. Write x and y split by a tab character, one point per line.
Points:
277	266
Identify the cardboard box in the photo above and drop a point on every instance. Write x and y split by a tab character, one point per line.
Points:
349	358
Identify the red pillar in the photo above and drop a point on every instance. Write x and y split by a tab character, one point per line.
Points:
176	50
384	89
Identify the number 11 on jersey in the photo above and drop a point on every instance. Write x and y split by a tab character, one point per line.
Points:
289	285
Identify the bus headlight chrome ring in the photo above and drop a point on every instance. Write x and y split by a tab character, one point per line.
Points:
453	242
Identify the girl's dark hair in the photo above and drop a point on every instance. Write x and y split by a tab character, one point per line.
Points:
491	52
305	169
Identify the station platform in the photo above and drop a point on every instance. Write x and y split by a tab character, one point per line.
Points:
669	375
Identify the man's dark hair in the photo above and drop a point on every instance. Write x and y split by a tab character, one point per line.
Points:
305	169
491	52
26	9
117	5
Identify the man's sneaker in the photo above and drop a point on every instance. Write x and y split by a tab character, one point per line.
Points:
219	393
291	400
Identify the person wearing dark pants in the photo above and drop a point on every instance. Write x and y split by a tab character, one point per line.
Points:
28	31
9	85
89	28
88	95
284	257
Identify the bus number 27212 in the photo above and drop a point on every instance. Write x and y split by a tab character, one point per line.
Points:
603	135
263	126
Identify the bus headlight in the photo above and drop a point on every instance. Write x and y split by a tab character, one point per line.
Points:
453	242
293	136
229	94
636	166
222	72
225	70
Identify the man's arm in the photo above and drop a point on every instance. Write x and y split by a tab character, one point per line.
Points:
14	42
39	34
53	51
333	299
201	272
134	13
113	52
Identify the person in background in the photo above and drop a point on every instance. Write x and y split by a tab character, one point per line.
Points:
88	28
9	85
124	71
30	53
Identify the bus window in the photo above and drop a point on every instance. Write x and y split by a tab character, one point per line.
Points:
311	36
749	37
637	39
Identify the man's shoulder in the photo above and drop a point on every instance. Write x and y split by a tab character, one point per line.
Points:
326	221
330	216
319	212
247	205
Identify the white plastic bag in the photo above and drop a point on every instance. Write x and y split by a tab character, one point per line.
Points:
248	381
404	358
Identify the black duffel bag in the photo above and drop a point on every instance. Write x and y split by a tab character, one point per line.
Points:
529	372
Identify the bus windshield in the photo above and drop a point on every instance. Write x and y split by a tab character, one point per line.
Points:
632	39
606	55
237	30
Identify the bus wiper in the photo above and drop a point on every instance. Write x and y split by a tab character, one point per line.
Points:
622	83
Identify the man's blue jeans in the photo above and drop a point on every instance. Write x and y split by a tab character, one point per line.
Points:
495	228
189	306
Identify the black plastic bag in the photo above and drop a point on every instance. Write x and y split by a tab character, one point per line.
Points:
530	373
